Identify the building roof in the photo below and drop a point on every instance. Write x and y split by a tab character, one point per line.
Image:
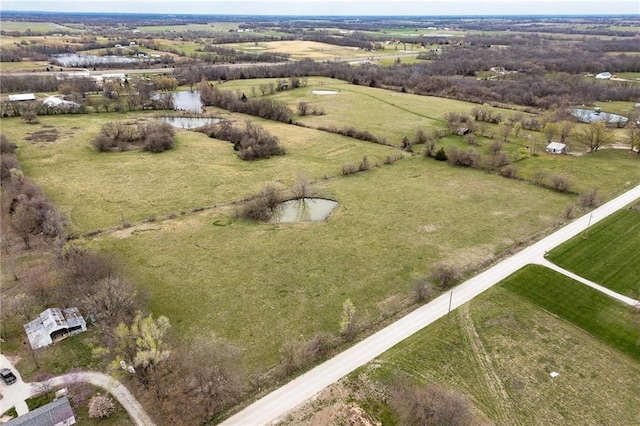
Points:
56	413
556	146
22	97
52	320
604	75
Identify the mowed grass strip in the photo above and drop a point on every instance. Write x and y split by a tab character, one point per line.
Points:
522	344
609	254
599	315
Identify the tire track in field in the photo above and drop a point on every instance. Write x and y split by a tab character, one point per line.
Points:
483	362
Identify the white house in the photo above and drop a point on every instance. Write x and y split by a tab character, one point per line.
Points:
556	148
53	325
603	76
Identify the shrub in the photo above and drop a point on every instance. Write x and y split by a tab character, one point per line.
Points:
101	406
509	172
429	405
261	206
348	169
445	275
6	147
364	164
560	183
463	158
158	142
7	163
103	143
590	199
441	155
422	290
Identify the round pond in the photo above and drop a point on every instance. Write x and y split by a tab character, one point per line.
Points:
304	210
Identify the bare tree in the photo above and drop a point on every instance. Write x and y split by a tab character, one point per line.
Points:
595	135
24	222
422	290
633	137
429	405
349	319
560	183
566	127
303	108
445	274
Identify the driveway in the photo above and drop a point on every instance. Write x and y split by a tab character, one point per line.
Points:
15	394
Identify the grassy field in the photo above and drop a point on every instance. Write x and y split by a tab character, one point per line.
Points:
501	348
303	49
609	256
388	114
610	170
41	27
590	310
260	285
132	186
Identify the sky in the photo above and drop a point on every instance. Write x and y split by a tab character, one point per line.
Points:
334	7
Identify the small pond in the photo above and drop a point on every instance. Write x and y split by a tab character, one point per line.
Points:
186	100
591	116
304	210
324	92
190	122
75	60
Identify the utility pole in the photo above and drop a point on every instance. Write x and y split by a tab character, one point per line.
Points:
450	299
586	232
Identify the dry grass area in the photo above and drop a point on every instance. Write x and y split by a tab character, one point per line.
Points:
500	350
302	49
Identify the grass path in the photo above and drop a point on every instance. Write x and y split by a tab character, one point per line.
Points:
484	367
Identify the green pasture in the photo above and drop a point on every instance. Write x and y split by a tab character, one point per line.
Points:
97	190
382	112
610	170
599	315
505	369
608	254
259	285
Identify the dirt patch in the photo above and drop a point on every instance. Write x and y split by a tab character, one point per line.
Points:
428	228
128	232
45	135
330	407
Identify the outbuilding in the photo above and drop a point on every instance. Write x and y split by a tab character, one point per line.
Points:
556	148
604	76
22	97
53	325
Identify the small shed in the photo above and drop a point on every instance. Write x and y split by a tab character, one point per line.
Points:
53	325
604	76
22	97
56	413
556	148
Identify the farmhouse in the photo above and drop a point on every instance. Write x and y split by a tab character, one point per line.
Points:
22	97
53	325
56	413
556	148
603	76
